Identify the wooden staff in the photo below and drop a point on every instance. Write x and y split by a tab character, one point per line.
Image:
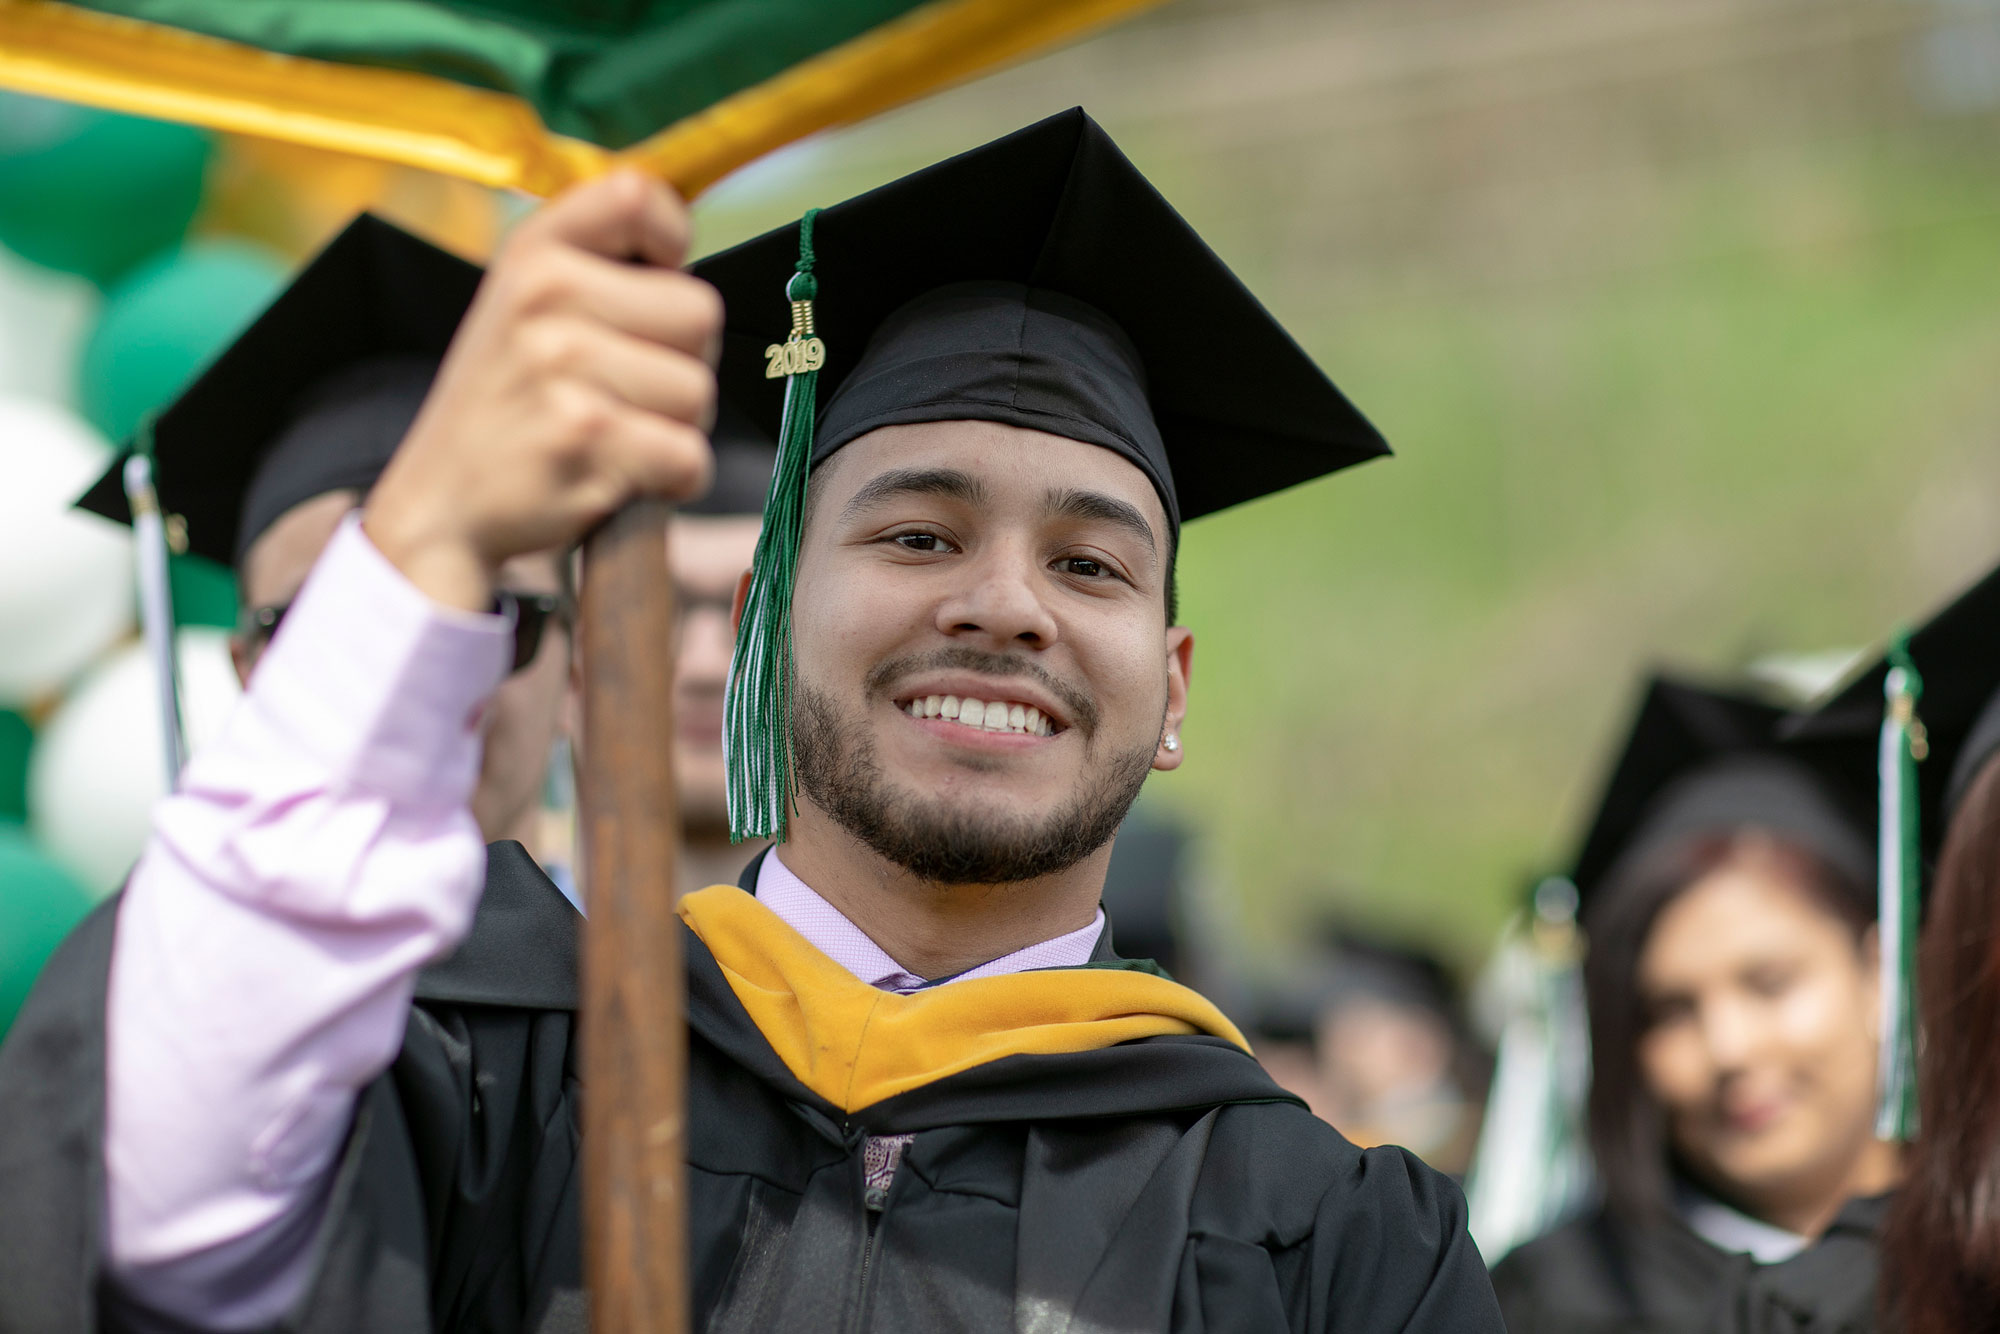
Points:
634	1034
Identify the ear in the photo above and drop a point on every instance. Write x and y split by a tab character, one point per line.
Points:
1180	666
736	607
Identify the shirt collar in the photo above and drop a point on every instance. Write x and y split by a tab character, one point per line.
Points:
829	931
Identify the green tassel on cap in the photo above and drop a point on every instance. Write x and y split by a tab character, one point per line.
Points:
756	726
1903	744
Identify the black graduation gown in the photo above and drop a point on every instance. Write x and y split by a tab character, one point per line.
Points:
1164	1184
1599	1274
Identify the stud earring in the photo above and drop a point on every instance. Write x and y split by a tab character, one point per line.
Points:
1172	742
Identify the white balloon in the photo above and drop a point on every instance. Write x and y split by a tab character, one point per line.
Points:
44	318
98	766
66	581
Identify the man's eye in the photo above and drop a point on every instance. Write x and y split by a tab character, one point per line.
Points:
916	541
1082	566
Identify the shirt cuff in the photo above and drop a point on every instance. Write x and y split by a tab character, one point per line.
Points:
377	682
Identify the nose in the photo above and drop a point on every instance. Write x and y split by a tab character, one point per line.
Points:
1000	602
1731	1032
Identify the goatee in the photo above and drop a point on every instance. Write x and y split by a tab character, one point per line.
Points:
838	770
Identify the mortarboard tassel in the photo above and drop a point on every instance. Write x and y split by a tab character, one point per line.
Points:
1903	744
757	737
1531	1168
156	598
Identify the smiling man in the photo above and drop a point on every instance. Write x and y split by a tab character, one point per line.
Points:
925	1092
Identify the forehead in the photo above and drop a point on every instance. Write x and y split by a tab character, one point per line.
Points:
281	556
1016	466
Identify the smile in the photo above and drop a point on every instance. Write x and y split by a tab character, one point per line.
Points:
997	715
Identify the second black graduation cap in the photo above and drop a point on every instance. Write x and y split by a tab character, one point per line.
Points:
1241	410
312	397
1699	759
1957	654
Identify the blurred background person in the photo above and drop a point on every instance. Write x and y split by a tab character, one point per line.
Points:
1941	1241
280	441
1732	984
1372	1035
709	545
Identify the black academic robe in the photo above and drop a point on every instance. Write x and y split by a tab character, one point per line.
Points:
1159	1185
1600	1273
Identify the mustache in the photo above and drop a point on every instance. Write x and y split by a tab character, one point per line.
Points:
1081	708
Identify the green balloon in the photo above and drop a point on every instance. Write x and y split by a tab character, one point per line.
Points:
92	192
204	594
39	903
163	323
17	740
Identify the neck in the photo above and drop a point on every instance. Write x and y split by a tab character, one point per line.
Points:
1875	1169
932	929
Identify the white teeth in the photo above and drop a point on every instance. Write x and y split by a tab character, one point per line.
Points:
988	715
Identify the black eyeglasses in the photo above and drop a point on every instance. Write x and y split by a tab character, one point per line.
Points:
530	612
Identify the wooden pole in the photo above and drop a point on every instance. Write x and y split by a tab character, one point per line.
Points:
634	1034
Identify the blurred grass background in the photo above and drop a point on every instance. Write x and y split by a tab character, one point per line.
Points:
1682	315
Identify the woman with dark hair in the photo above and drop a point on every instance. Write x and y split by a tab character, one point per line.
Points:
1732	984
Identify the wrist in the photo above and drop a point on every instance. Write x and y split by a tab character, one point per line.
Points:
445	568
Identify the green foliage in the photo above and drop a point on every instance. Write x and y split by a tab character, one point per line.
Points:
1408	676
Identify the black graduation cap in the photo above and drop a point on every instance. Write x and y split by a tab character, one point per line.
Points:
1080	303
313	397
1957	655
1039	281
1702	759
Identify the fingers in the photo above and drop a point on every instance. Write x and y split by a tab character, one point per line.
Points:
641	453
663	306
641	374
626	215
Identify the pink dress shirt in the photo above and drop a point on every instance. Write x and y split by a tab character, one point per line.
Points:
319	853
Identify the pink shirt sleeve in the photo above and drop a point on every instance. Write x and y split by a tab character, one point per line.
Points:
319	853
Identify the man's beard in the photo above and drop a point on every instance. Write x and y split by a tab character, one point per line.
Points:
838	770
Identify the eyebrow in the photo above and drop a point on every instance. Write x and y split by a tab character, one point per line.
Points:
1097	507
949	483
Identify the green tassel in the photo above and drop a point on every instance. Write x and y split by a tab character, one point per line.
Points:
1903	744
756	727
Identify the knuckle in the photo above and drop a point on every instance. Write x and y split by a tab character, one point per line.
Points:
687	462
550	346
578	417
625	189
702	395
705	307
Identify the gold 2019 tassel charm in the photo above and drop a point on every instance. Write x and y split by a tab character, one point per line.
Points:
802	351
